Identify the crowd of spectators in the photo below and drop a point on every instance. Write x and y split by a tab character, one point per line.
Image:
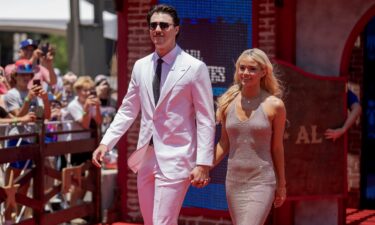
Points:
33	92
31	88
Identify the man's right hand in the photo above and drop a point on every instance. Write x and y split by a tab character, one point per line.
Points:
98	154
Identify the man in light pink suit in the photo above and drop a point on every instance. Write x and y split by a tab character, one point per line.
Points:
172	90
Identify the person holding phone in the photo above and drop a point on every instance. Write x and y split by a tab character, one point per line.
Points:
107	103
43	71
104	91
20	100
68	91
84	110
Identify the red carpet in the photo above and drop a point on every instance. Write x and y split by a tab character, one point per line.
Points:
360	217
119	223
353	217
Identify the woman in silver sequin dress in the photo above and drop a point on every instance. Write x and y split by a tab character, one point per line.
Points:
253	118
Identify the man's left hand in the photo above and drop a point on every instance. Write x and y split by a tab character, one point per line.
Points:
199	176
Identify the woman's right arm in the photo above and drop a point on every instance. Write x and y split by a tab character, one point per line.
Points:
222	147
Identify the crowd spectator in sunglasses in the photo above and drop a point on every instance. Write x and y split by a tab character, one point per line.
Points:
104	91
68	91
28	49
107	103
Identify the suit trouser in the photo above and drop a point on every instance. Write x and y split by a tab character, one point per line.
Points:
160	198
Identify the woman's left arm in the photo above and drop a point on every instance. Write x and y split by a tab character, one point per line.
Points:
277	149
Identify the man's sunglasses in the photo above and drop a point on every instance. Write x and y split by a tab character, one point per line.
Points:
162	25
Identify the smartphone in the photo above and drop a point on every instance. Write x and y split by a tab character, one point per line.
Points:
45	48
36	82
93	92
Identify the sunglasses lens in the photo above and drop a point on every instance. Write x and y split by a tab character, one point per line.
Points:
153	25
162	25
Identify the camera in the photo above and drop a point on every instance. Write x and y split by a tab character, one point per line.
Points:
44	48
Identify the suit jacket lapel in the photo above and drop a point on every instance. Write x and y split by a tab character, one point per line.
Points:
175	74
147	78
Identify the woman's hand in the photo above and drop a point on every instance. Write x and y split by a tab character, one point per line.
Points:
91	101
280	196
199	176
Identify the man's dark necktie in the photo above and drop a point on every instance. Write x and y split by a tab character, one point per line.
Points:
156	87
156	81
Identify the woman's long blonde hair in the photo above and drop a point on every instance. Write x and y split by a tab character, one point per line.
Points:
268	82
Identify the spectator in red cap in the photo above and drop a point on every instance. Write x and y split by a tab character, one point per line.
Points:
43	72
20	99
5	117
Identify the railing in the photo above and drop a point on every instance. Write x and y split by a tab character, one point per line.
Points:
68	184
